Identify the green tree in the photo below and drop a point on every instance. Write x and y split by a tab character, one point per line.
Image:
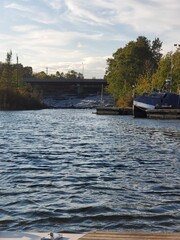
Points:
73	75
168	68
27	71
14	92
41	75
137	58
6	76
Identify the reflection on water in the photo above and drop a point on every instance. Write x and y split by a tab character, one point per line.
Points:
74	171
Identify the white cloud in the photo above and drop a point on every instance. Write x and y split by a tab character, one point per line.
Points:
33	35
55	4
50	33
18	7
148	16
24	28
32	12
84	11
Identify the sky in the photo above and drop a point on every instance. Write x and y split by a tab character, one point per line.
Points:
80	35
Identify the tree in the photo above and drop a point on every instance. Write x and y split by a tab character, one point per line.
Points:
73	75
41	75
27	71
14	92
168	67
137	58
6	76
58	74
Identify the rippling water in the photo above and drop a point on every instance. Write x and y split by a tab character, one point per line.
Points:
74	171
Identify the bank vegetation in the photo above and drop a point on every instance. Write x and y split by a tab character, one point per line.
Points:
140	67
15	94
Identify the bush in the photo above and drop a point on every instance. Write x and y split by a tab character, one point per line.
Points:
12	99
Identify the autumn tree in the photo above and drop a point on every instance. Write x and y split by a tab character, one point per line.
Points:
138	58
168	68
6	76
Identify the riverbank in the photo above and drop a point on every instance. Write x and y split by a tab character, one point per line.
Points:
79	102
15	99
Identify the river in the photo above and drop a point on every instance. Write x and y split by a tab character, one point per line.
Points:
69	170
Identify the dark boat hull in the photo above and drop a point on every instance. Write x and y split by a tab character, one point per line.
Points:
139	112
155	100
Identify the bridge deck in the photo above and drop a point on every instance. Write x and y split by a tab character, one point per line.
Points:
64	80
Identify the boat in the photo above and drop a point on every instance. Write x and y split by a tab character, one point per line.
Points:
157	99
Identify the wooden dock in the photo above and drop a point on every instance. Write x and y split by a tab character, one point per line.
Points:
163	113
130	236
91	236
114	111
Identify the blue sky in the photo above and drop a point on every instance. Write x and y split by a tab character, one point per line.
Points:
80	35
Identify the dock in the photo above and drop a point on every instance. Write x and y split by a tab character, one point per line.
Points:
91	236
114	111
163	113
130	236
10	235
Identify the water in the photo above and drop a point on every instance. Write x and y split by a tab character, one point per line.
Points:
74	171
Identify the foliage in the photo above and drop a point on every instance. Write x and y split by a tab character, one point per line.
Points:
69	75
13	99
27	71
73	75
143	85
138	58
168	68
15	94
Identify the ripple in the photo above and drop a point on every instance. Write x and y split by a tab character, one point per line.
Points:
73	171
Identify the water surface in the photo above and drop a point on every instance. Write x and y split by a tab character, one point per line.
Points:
74	171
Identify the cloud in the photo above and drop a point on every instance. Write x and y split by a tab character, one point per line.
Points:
34	35
90	66
147	16
55	4
32	12
88	12
50	33
18	7
24	28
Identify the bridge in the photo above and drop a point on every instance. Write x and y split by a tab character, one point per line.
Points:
61	86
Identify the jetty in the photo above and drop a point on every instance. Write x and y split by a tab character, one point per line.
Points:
163	113
130	236
114	111
91	236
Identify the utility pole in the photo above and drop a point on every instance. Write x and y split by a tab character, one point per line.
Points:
83	69
46	70
177	48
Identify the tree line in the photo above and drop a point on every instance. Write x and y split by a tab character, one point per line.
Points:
140	67
136	68
15	94
71	74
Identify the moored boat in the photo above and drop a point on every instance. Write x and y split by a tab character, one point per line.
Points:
162	99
